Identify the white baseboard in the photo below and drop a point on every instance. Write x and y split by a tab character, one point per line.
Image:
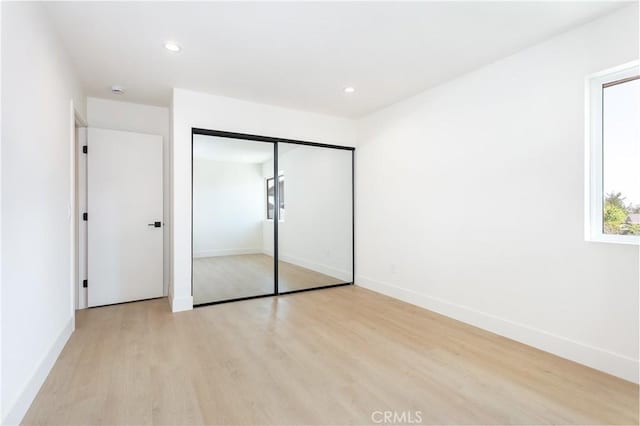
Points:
318	267
179	304
23	401
226	252
600	359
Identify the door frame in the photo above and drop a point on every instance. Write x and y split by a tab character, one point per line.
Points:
77	249
276	215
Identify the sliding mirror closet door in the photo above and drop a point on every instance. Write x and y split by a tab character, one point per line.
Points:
233	241
315	228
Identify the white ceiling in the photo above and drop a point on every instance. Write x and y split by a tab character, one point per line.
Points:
300	55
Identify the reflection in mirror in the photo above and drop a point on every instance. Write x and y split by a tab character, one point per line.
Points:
271	196
232	239
315	240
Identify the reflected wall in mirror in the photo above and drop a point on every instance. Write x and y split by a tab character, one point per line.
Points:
232	237
315	231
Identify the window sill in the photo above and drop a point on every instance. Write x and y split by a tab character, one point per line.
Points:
630	240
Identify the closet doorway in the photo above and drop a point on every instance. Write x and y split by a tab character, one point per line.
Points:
269	216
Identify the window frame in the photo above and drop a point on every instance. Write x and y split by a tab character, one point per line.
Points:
266	180
594	192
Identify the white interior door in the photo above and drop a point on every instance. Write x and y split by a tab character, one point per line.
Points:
124	228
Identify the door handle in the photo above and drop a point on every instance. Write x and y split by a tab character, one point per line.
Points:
155	224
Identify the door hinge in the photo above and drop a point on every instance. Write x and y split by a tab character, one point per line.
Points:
84	283
85	149
85	216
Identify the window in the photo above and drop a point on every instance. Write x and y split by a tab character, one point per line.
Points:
271	197
613	156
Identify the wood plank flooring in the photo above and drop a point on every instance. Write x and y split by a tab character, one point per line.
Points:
233	277
332	356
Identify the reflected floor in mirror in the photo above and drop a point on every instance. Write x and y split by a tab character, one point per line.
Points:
231	277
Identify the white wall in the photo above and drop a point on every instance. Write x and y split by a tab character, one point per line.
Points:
193	109
227	208
132	117
316	230
470	202
37	292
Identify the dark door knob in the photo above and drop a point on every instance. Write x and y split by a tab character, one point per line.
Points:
155	224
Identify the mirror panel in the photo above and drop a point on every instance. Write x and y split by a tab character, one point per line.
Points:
233	240
315	228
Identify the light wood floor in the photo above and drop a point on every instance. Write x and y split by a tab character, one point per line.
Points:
331	356
232	277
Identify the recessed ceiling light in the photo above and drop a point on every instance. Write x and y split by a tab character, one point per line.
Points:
117	90
172	46
349	89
